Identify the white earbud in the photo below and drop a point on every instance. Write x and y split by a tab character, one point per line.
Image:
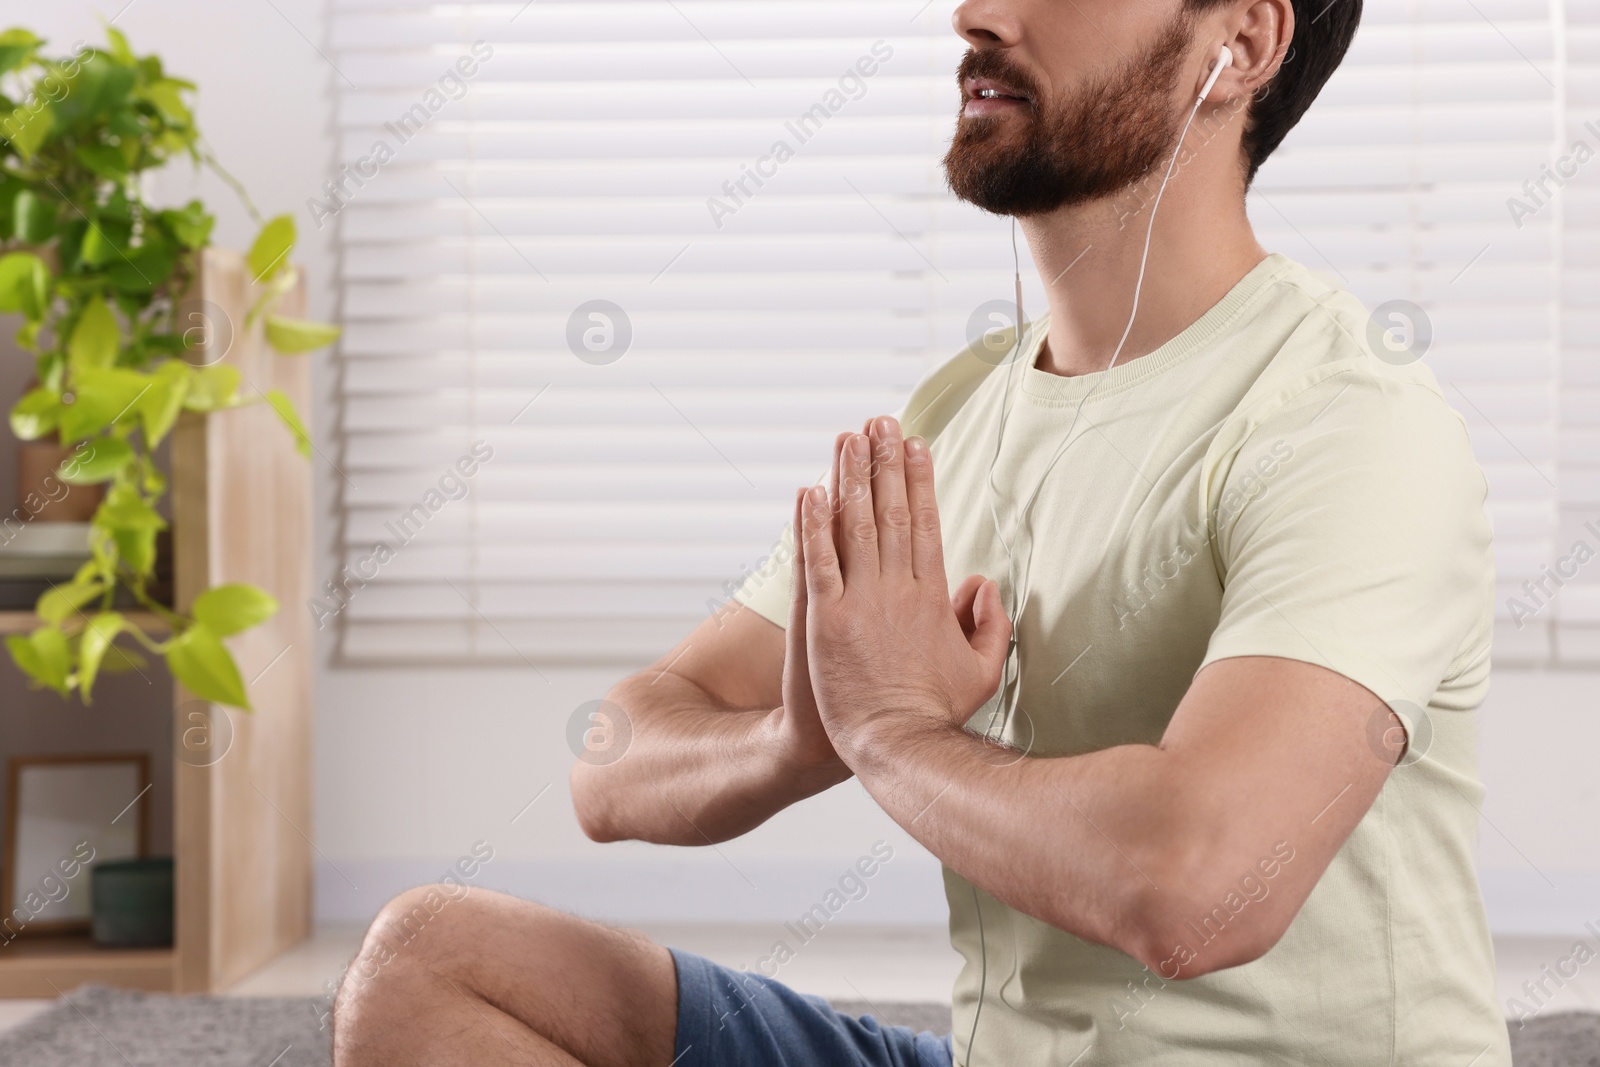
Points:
1224	61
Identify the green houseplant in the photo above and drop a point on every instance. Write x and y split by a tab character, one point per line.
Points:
97	275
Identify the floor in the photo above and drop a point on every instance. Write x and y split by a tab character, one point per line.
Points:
873	964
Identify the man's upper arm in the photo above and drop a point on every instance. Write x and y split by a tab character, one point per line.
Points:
1273	758
735	657
1355	581
1367	551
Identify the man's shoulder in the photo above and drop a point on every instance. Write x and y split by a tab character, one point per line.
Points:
1333	352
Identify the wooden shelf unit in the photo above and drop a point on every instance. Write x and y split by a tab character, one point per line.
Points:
21	622
241	508
42	967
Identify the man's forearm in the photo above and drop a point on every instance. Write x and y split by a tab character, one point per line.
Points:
692	773
1084	843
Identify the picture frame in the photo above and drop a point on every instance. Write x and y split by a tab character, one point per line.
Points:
64	812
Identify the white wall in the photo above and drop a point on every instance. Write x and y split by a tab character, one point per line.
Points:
414	766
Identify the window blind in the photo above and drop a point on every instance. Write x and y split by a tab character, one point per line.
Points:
637	268
1577	562
1398	184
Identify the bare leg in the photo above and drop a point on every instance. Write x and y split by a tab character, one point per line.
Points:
489	979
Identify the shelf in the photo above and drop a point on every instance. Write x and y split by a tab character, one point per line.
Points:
241	509
44	966
21	622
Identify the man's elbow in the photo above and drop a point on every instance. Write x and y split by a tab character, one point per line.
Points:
1209	926
589	804
1174	951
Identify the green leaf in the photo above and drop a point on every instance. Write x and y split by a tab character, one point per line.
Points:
98	398
200	661
24	284
51	645
166	95
96	247
272	247
294	336
123	660
128	124
124	509
23	655
161	406
97	461
62	602
35	415
286	278
97	637
104	160
43	656
120	50
228	609
10	186
285	408
32	221
27	336
212	388
28	127
142	269
191	224
95	338
16	45
137	549
154	482
101	88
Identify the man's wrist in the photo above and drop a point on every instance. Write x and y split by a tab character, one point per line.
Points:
806	777
895	735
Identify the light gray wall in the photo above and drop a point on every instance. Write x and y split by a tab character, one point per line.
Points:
414	766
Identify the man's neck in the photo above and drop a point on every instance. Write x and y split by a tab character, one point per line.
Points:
1088	257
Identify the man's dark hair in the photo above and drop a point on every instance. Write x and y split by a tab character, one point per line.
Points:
1323	30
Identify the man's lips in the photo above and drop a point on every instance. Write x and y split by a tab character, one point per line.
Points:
985	96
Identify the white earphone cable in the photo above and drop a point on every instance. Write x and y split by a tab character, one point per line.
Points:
1010	691
1019	591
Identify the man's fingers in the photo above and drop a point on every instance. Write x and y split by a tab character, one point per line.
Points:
797	595
927	550
961	600
858	527
796	668
833	471
824	583
889	497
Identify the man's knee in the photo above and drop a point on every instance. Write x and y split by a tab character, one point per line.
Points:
416	938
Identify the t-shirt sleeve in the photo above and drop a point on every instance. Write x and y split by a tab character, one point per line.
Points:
768	588
1351	533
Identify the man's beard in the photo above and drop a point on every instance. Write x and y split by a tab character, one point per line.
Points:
1108	137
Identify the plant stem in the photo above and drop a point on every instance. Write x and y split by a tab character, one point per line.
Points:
171	617
234	183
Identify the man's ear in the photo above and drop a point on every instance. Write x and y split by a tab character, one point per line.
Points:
1260	44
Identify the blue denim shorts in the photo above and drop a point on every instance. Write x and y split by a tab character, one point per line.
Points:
729	1018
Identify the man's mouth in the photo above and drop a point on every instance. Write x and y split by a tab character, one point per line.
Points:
985	96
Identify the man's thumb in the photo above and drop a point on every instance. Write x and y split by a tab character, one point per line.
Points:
991	634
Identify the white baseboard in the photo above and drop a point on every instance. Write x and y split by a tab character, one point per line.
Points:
1552	903
706	886
688	887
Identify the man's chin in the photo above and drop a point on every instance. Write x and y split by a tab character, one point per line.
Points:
989	182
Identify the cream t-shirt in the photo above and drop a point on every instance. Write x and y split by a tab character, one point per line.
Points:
1261	485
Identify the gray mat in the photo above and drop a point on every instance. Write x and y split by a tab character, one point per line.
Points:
1564	1039
935	1017
100	1027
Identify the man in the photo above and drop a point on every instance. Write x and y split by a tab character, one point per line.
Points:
1216	803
